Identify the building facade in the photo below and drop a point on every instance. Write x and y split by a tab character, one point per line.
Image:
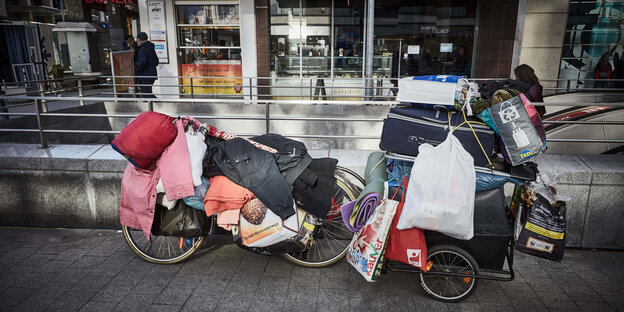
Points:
222	47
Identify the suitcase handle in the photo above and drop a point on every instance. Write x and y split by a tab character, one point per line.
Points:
421	140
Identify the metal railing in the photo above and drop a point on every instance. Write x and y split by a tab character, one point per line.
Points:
101	92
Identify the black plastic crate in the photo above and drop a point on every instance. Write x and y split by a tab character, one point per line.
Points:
492	231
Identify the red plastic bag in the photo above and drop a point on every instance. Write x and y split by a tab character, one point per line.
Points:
145	138
407	246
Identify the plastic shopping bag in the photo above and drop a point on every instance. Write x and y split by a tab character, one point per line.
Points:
441	190
260	227
365	252
407	246
519	136
437	91
197	150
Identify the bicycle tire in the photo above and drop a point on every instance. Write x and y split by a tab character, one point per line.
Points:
139	244
333	234
437	259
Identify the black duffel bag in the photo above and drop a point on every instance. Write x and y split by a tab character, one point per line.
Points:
181	221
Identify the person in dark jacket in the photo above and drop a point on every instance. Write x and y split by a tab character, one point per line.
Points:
526	74
146	61
602	72
618	73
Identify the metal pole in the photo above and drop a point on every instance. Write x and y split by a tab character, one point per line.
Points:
568	88
192	92
42	137
399	60
267	118
44	103
150	106
368	68
250	89
80	93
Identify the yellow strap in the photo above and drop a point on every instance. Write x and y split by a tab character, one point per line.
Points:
375	166
478	141
473	132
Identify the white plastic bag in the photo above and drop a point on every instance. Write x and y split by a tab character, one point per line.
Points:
441	191
197	149
161	198
260	227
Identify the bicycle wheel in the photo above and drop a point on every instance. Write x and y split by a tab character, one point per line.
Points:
162	249
333	238
449	259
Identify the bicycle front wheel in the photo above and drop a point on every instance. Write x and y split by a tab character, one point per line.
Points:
333	238
162	249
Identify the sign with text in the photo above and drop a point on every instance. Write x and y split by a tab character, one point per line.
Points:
123	65
207	78
158	28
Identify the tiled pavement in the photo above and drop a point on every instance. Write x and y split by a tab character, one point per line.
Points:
93	270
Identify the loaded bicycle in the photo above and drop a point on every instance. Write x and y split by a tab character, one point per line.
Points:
330	239
453	266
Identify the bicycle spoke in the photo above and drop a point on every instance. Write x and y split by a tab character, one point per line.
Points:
453	262
450	281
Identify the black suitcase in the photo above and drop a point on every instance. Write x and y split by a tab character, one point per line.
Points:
406	128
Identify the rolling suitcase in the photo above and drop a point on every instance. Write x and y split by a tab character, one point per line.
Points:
406	128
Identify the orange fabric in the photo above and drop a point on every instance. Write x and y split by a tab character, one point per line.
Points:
224	194
227	218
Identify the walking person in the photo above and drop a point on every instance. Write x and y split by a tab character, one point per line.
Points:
145	65
526	74
602	71
618	72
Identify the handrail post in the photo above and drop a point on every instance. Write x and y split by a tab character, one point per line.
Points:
44	103
267	118
192	91
250	90
80	93
42	137
150	106
568	87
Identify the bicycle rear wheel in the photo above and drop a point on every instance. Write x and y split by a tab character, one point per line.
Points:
333	237
162	249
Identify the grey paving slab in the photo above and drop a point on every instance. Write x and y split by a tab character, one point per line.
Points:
604	217
608	169
568	169
99	273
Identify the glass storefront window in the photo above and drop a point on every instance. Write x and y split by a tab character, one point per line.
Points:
209	48
300	38
410	38
427	37
209	36
214	14
593	45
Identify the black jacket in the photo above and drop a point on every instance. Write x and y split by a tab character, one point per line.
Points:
292	157
255	170
146	60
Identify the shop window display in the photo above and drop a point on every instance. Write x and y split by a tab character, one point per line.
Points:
209	46
410	38
593	46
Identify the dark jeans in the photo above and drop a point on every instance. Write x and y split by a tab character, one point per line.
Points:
3	108
145	88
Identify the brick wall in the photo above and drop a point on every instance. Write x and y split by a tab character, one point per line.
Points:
495	38
263	33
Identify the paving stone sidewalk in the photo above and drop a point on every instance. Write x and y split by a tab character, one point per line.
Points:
45	269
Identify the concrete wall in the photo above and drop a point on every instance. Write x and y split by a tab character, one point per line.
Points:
542	37
78	186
